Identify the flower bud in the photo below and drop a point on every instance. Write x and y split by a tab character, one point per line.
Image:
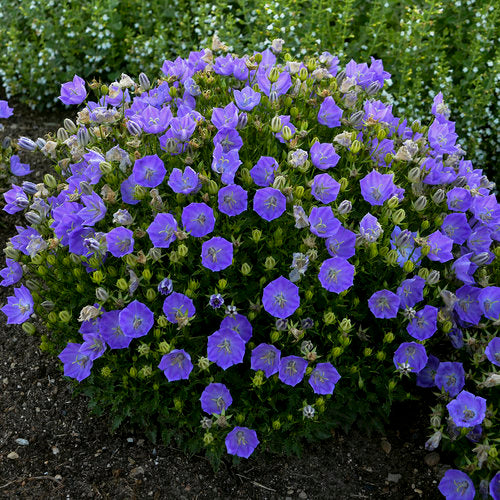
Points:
309	295
49	181
133	372
381	355
414	174
212	187
337	351
62	135
299	191
343	183
438	196
355	146
33	218
276	425
246	269
29	328
182	250
105	167
398	216
86	188
122	284
144	81
345	207
275	335
433	277
270	263
287	133
373	88
329	318
367	352
276	124
274	74
408	266
392	257
425	225
420	203
356	118
150	294
425	250
101	294
134	128
279	182
65	316
26	144
242	121
345	325
388	158
70	126
388	338
82	137
433	442
393	202
256	235
480	259
303	74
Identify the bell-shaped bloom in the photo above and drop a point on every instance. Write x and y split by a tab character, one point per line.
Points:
225	348
280	87
424	325
426	376
186	182
182	128
238	324
215	398
480	240
149	171
241	441
459	199
410	356
19	308
17	168
232	200
94	211
370	228
329	113
225	117
411	292
198	219
73	92
16	200
384	304
456	227
267	358
342	243
492	351
12	273
323	155
269	203
120	241
323	378
226	163
467	410
228	138
111	332
489	302
281	298
322	222
154	120
76	364
292	370
263	171
136	319
176	365
325	188
217	253
93	345
5	110
486	209
177	306
450	376
336	274
467	306
442	137
376	188
441	247
457	485
162	230
246	99
495	487
127	190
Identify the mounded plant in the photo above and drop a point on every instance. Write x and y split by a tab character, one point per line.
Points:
251	251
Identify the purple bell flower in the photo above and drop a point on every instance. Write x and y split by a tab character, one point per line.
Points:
323	378
492	351
323	155
186	182
376	188
411	292
450	376
120	241
241	441
136	319
162	230
410	356
329	113
73	92
384	304
215	398
269	203
342	243
12	273
225	348
246	99
176	365
232	200
426	376
267	358
111	332
456	485
217	254
424	325
17	168
19	308
292	370
467	410
238	324
149	171
198	219
177	306
280	298
322	222
263	171
325	188
76	364
489	302
336	274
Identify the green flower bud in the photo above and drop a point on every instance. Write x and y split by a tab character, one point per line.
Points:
310	296
381	355
150	294
147	274
420	203
388	338
269	263
276	124
275	335
414	174
122	284
294	112
145	371
425	250
105	371
158	332
447	326
11	252
287	133
240	418
392	385
276	425
299	191
256	235
398	216
93	261
303	74
344	341
258	379
343	183
274	74
177	404
355	146
208	437
105	167
213	187
172	91
425	225
140	192
37	259
182	250
29	328
345	325
373	250
245	269
52	317
423	272
65	316
51	259
361	384
156	387
391	257
246	177
131	260
388	158
203	363
222	284
41	270
329	318
492	452
381	134
393	202
49	181
279	182
367	351
408	266
258	58
164	348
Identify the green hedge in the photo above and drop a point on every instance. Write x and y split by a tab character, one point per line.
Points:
431	45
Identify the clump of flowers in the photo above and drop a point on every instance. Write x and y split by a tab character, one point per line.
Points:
249	250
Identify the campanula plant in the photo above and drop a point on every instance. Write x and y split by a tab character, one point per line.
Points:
252	250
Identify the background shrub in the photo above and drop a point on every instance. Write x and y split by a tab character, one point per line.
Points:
428	45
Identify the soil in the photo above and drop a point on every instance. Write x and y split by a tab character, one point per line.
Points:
67	453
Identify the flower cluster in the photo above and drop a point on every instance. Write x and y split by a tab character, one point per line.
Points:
258	238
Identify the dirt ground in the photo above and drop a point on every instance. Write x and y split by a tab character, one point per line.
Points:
51	447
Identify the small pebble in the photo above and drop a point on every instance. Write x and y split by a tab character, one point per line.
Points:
55	450
302	494
58	477
432	459
22	442
393	478
13	455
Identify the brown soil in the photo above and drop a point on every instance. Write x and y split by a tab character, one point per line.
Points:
72	455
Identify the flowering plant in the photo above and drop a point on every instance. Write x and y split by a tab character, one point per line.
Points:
250	251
